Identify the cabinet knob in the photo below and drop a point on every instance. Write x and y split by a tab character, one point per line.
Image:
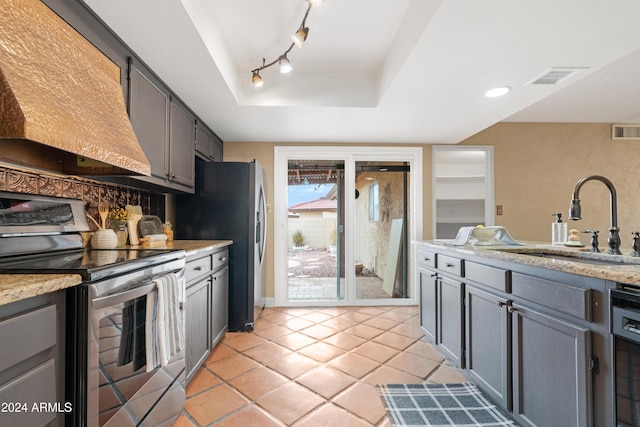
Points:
199	268
511	309
223	259
501	303
449	265
434	275
427	259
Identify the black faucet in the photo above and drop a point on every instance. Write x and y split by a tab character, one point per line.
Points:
575	211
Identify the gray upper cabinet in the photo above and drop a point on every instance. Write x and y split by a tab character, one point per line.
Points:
165	130
208	145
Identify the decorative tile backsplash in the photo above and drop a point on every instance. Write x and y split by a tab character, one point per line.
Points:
87	190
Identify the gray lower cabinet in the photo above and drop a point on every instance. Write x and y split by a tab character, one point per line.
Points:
427	283
207	275
449	324
197	326
532	339
487	343
551	379
32	369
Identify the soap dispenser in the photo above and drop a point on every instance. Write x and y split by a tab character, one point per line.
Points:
558	231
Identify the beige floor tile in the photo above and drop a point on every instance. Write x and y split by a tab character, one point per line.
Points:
339	323
295	341
326	381
321	351
319	331
296	324
384	324
248	417
294	365
233	366
331	415
354	365
374	351
345	341
267	352
214	403
394	340
290	402
363	400
364	331
426	350
221	351
317	317
413	364
412	331
202	380
244	341
321	374
276	317
387	375
447	374
273	332
258	382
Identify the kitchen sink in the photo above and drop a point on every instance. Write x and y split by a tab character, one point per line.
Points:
581	257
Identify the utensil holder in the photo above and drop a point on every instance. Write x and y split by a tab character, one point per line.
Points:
104	239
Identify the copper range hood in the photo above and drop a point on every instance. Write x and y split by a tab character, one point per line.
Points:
61	103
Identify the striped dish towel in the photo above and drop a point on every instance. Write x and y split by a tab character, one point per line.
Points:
169	319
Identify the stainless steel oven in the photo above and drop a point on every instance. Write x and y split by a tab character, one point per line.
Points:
124	385
625	326
125	337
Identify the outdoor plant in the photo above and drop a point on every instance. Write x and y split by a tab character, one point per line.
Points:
298	238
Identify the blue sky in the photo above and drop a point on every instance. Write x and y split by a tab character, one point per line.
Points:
304	193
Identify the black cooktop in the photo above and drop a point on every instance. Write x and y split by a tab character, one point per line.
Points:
90	264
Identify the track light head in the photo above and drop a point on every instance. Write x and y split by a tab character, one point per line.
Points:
300	36
285	65
257	80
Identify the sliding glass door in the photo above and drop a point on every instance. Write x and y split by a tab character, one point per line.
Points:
344	219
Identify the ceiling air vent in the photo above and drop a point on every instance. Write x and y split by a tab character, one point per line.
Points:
625	132
555	75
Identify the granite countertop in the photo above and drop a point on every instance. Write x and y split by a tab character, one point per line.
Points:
618	268
16	287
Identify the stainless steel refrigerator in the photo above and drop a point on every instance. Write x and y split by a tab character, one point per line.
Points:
230	203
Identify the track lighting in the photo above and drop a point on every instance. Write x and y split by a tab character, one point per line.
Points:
285	65
298	39
300	36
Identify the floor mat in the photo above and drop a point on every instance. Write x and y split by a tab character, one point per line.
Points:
459	404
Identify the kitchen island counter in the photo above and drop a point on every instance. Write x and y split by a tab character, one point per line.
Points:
622	269
193	246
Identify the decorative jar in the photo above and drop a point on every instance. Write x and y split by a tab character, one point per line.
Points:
104	239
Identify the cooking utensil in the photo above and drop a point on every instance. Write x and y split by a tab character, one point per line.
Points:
134	213
94	221
103	210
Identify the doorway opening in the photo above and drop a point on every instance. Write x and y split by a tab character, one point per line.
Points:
346	225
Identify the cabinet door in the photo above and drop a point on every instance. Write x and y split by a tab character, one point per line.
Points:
488	343
204	141
449	321
182	140
428	303
219	305
551	379
149	114
197	326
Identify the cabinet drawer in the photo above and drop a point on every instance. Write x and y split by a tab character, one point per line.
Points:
197	267
220	259
492	277
566	299
29	334
31	388
451	265
426	258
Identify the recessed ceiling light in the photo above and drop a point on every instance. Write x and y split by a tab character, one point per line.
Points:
497	91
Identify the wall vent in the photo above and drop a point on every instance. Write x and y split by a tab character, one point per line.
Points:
555	75
625	132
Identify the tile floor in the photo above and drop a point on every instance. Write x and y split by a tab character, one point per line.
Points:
307	367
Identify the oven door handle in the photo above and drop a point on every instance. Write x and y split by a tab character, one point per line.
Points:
122	297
